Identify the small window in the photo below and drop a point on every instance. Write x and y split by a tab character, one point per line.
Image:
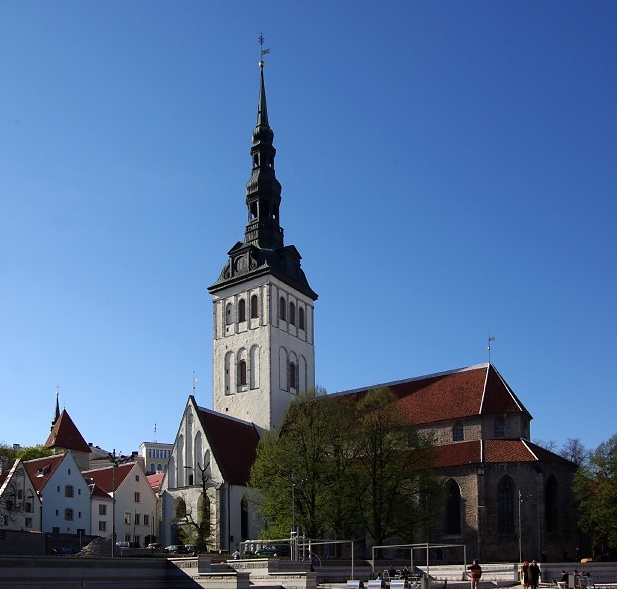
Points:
146	519
137	519
500	428
292	313
137	477
241	310
68	514
137	496
28	522
127	517
102	526
229	318
282	307
102	509
242	372
458	433
68	491
301	317
254	307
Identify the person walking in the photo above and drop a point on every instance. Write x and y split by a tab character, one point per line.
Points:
475	570
534	574
525	574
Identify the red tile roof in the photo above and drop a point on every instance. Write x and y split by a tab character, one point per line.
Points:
40	470
106	478
447	396
493	451
155	481
233	443
96	491
65	435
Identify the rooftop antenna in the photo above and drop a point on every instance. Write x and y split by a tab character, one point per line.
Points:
491	338
262	51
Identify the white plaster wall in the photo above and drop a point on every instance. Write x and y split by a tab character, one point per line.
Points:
265	397
54	501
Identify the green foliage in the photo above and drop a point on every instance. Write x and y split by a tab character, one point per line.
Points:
10	454
596	491
343	467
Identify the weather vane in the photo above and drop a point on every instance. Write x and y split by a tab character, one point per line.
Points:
262	51
491	338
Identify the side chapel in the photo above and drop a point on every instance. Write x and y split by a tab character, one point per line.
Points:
504	493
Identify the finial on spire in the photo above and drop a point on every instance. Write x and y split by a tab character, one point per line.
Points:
491	338
194	382
262	51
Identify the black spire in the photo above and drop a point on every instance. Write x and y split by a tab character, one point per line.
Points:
56	412
263	251
263	190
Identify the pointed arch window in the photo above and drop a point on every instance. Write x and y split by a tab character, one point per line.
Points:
242	373
292	314
458	432
241	310
301	317
551	505
254	307
453	508
505	506
282	309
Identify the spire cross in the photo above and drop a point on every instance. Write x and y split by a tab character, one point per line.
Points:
262	51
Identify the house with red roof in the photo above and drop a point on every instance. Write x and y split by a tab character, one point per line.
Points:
63	493
123	502
20	506
65	436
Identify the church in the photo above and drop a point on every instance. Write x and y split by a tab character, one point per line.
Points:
506	497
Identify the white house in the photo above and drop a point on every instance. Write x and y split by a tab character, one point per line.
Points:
63	492
20	506
135	504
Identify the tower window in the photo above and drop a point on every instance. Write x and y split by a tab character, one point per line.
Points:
505	507
242	372
499	428
292	313
282	308
254	307
229	314
241	310
301	317
293	376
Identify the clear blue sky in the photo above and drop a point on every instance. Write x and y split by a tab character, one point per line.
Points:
449	170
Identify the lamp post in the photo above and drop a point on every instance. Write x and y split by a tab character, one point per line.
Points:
294	535
115	461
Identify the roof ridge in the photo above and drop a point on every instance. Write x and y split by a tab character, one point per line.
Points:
414	378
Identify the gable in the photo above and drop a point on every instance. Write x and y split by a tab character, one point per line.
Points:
64	434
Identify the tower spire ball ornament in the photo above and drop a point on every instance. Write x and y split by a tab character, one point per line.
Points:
262	51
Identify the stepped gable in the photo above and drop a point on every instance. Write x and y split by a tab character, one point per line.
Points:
452	395
40	469
233	443
64	434
106	478
493	451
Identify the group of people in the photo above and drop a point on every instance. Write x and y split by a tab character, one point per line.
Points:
530	574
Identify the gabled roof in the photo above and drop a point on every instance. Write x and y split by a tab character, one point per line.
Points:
64	434
99	492
106	478
493	451
457	394
233	443
40	469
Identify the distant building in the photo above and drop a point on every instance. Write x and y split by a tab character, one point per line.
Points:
155	456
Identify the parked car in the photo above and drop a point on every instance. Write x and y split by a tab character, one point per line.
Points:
190	548
176	549
128	545
271	550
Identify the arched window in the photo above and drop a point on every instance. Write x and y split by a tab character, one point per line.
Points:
499	428
229	318
505	506
282	305
458	433
242	372
293	376
453	508
241	310
551	505
292	313
301	317
254	307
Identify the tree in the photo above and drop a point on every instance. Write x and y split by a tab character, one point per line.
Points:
574	451
596	491
392	474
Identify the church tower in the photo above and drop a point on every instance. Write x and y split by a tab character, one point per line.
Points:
263	352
